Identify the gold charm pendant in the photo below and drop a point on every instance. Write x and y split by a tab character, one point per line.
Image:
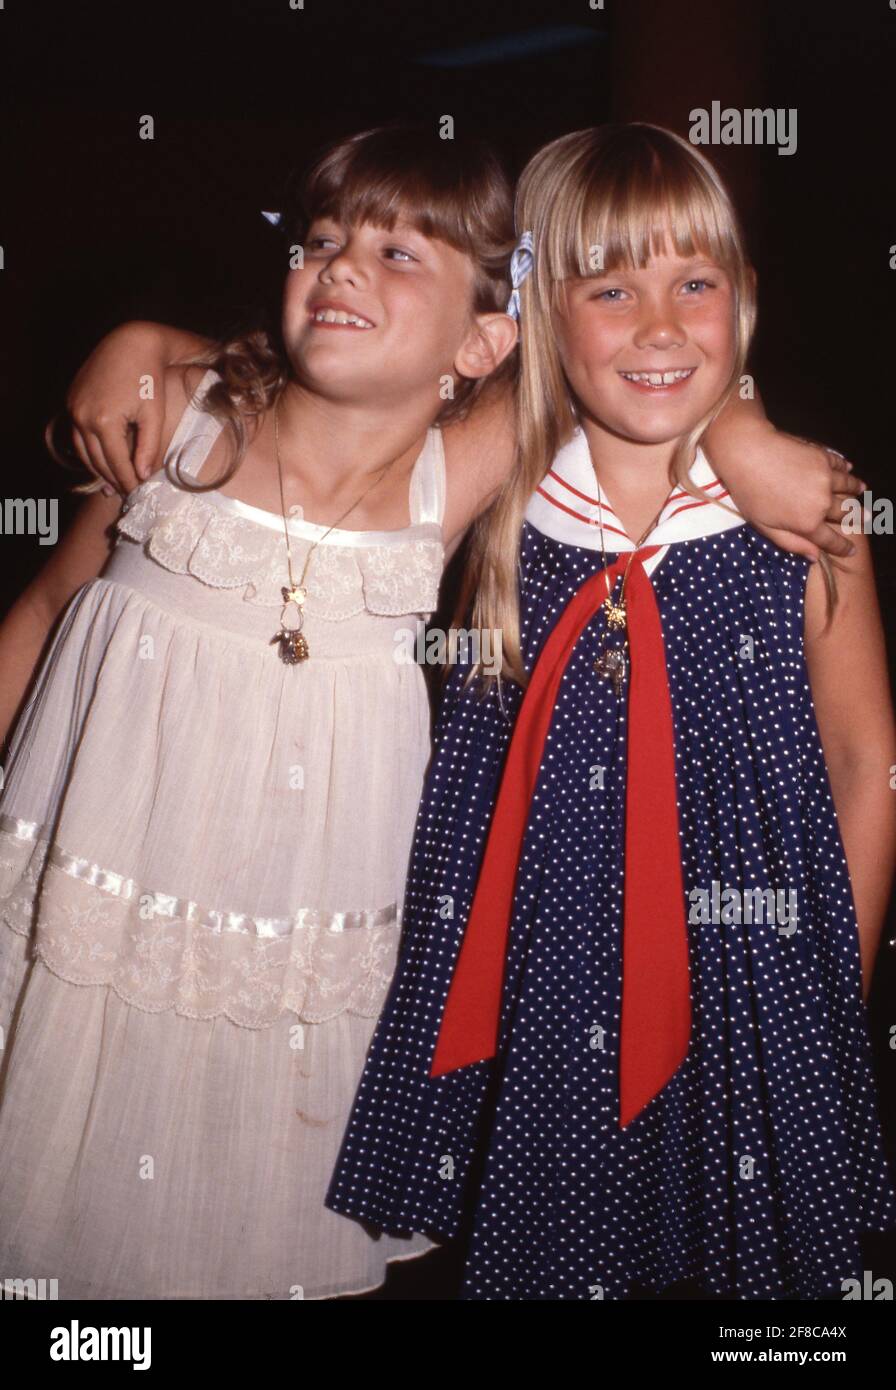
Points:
293	646
615	613
611	663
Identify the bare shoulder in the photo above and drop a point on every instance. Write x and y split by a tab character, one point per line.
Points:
470	443
480	453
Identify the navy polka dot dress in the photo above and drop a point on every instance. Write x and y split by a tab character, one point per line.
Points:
758	1164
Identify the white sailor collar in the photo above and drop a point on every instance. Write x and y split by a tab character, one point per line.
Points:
565	507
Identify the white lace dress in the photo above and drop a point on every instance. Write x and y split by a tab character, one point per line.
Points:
202	863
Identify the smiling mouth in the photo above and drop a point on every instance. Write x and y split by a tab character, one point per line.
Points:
335	318
659	381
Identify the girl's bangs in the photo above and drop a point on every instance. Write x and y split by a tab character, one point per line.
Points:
628	222
419	186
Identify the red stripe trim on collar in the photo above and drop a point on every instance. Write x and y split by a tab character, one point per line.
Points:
695	502
589	521
707	487
584	496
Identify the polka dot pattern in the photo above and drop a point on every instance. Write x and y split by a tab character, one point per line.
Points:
755	1168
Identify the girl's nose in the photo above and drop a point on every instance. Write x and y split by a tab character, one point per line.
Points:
659	328
346	266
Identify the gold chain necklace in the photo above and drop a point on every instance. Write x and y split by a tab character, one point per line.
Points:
293	644
611	663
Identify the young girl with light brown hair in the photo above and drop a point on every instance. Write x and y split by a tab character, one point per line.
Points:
210	794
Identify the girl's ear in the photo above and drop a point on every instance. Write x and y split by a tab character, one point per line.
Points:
489	341
752	276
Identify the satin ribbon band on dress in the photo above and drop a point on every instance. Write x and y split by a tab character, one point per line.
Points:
656	1012
164	905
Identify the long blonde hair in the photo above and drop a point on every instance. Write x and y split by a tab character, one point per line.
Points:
616	188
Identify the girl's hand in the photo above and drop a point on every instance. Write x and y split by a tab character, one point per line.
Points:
117	402
791	490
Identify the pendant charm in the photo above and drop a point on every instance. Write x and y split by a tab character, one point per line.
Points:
611	665
615	613
293	647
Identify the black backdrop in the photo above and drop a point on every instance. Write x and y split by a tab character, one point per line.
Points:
98	225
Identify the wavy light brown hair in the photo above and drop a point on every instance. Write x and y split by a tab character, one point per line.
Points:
453	190
615	187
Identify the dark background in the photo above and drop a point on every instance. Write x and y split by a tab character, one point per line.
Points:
98	225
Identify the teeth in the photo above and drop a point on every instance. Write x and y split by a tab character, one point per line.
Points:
658	378
336	316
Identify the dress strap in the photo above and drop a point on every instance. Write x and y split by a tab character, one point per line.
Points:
427	495
196	430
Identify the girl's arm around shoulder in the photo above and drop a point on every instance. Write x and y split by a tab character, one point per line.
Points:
480	453
180	384
847	664
790	490
87	544
108	399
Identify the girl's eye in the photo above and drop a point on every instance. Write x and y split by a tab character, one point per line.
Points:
604	294
323	242
706	284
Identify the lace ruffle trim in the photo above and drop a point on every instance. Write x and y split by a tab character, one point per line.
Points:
93	926
186	533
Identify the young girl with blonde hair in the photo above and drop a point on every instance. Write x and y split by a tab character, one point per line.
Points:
627	1043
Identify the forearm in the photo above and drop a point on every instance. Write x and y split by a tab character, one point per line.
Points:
738	419
866	811
23	633
173	345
